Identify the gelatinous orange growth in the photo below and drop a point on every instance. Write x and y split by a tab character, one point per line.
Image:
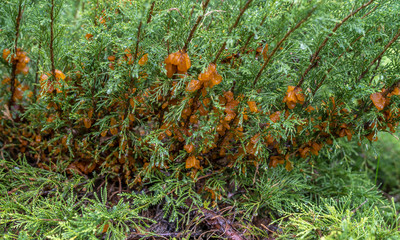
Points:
19	59
49	86
19	91
111	58
275	117
396	91
275	160
378	100
88	36
143	60
193	85
293	95
6	53
192	162
189	148
59	74
87	122
177	62
210	77
344	131
310	109
372	137
252	106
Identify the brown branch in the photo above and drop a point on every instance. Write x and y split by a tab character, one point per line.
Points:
240	15
219	52
243	49
37	74
368	13
380	54
376	68
233	27
247	42
191	12
14	64
355	210
137	42
169	24
322	45
199	18
269	57
53	68
251	36
151	12
341	55
51	220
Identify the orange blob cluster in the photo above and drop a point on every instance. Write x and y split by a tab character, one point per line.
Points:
19	89
210	77
293	95
19	59
88	36
49	86
192	162
143	60
262	50
380	101
177	62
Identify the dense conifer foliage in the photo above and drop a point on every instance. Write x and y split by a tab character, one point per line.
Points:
139	87
127	119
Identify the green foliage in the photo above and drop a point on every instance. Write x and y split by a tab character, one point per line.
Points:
341	218
312	201
114	84
386	153
239	110
39	204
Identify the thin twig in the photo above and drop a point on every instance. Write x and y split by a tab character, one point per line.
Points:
240	15
380	54
368	13
176	9
267	228
322	45
137	42
151	12
52	220
269	57
376	68
355	210
53	68
213	11
243	49
233	27
199	18
191	12
37	74
14	65
341	55
251	36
